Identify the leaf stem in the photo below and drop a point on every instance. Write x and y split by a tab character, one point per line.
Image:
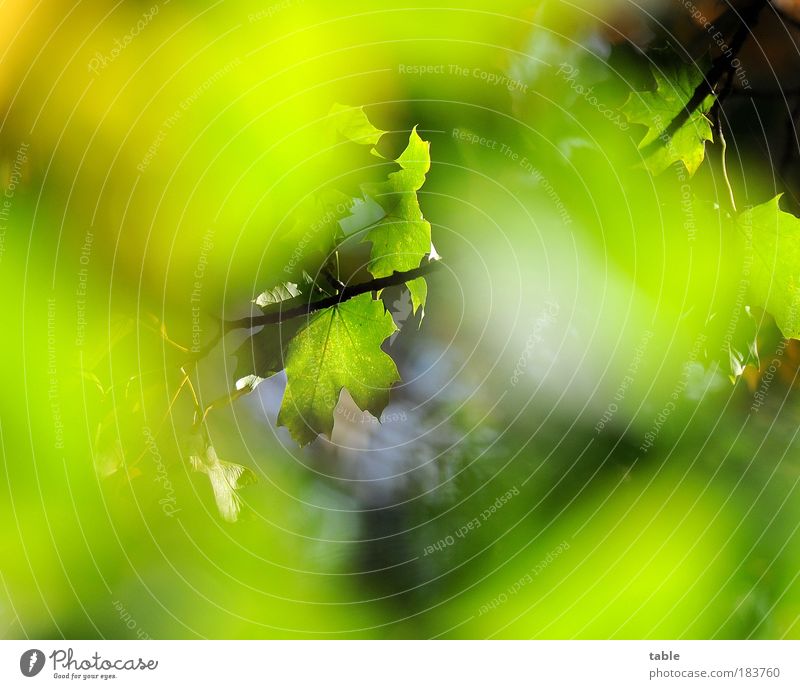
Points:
723	157
718	115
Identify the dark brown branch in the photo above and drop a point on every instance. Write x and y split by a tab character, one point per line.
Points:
280	314
721	65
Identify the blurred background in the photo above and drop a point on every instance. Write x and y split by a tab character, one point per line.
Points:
566	456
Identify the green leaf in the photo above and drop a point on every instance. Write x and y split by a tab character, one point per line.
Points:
401	239
401	186
772	244
398	245
354	125
675	85
414	161
226	479
419	293
281	292
340	347
337	348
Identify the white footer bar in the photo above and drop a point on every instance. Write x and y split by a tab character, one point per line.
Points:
402	664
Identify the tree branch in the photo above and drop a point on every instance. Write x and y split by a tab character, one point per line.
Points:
719	67
281	314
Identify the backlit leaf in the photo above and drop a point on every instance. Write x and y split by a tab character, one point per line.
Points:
226	479
339	347
402	239
675	85
772	240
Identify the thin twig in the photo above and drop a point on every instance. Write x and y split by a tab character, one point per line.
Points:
199	415
224	400
717	116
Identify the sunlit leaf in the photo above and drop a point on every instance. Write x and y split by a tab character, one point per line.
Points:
339	347
281	292
226	479
402	239
419	293
772	240
675	84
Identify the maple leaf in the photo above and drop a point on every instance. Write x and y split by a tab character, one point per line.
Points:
402	238
772	243
675	85
338	347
